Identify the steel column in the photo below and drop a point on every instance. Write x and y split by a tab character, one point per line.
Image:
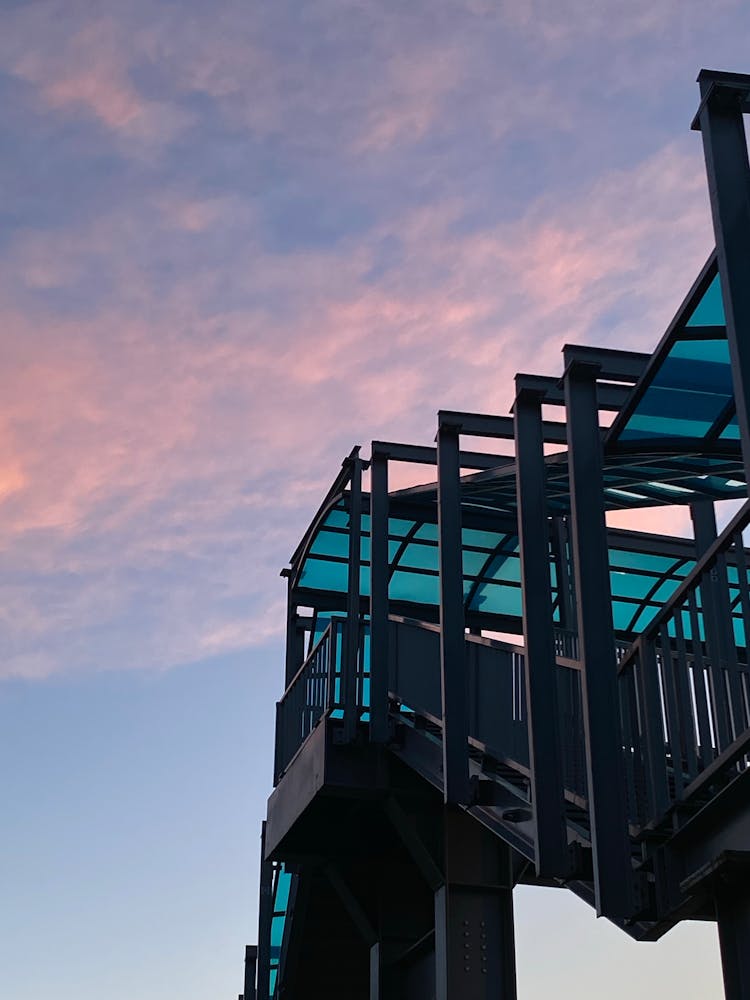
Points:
539	663
733	915
379	597
474	936
720	119
704	530
265	916
601	714
251	961
452	624
350	658
295	645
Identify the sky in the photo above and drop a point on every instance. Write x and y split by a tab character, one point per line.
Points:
236	239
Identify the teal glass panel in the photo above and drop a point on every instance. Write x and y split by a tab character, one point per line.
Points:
330	543
272	980
398	527
364	581
416	587
337	518
660	427
710	309
681	404
622	614
417	556
277	933
740	638
663	593
715	352
318	574
488	540
283	885
646	616
504	567
731	432
631	584
497	599
473	562
427	532
643	561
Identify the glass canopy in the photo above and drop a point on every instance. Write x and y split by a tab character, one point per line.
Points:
645	570
686	393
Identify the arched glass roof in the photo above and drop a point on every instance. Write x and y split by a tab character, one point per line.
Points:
645	570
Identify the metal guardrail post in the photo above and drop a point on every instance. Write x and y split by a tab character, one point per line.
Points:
452	625
540	666
349	665
379	597
604	756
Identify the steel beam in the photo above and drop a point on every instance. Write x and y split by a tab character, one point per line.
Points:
452	625
604	761
379	597
503	428
724	98
474	935
550	839
421	455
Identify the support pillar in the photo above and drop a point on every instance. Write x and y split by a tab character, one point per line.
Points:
540	665
474	937
452	624
601	712
733	915
251	961
724	98
265	916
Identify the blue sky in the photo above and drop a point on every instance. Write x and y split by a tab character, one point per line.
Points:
236	239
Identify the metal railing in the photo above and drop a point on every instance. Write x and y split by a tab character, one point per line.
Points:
309	696
685	684
319	689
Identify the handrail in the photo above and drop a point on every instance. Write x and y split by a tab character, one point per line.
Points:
738	523
325	636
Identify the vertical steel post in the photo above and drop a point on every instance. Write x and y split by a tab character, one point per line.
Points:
452	625
295	649
379	598
474	932
540	665
704	531
601	715
720	120
265	916
251	961
350	658
733	916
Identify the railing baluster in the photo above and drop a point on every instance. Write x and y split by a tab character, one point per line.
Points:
705	726
681	676
674	729
653	729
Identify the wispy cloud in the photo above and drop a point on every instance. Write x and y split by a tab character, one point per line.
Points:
336	234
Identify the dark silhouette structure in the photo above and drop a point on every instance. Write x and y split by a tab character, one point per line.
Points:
486	686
